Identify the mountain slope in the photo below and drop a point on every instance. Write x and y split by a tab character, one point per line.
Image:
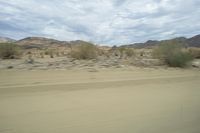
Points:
189	42
194	41
40	42
6	40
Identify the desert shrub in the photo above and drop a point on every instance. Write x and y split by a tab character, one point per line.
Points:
30	60
195	52
42	54
142	53
166	49
125	52
9	51
84	51
101	52
49	52
172	54
46	52
121	51
129	52
179	59
29	52
114	51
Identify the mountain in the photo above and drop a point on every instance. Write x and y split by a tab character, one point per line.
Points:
6	40
149	43
189	42
194	41
40	42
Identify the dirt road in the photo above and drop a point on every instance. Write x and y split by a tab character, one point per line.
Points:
107	101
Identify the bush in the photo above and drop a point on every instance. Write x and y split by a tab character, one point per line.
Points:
9	51
30	60
123	52
172	54
85	51
129	52
49	52
179	59
195	52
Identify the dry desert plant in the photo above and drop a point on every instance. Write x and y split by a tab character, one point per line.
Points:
10	51
172	54
195	52
84	51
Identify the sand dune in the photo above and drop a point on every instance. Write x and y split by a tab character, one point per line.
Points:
107	101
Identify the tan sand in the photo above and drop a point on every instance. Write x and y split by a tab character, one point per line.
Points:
107	101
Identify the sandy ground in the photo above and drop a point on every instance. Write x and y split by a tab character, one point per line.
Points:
108	101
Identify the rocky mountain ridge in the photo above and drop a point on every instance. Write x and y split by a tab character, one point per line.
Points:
189	42
42	42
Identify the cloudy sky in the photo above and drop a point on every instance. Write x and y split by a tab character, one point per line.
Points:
100	21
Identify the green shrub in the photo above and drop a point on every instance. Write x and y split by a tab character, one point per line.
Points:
9	51
179	59
84	51
172	54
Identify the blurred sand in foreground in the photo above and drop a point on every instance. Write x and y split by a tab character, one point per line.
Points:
106	101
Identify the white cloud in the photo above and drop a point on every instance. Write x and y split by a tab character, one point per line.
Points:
100	21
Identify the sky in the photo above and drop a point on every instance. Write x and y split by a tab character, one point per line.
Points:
109	22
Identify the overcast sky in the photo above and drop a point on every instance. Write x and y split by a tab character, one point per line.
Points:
100	21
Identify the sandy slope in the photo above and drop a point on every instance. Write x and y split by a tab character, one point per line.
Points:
108	101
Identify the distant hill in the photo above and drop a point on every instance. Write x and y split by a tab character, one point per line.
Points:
189	42
79	42
194	41
6	40
40	42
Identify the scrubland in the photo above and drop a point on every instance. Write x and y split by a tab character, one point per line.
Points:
93	89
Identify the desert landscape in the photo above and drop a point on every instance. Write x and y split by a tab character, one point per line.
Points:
36	53
102	89
99	66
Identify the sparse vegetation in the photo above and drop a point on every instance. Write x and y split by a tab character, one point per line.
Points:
142	53
30	60
123	52
172	54
9	51
129	52
195	52
41	54
84	51
49	52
